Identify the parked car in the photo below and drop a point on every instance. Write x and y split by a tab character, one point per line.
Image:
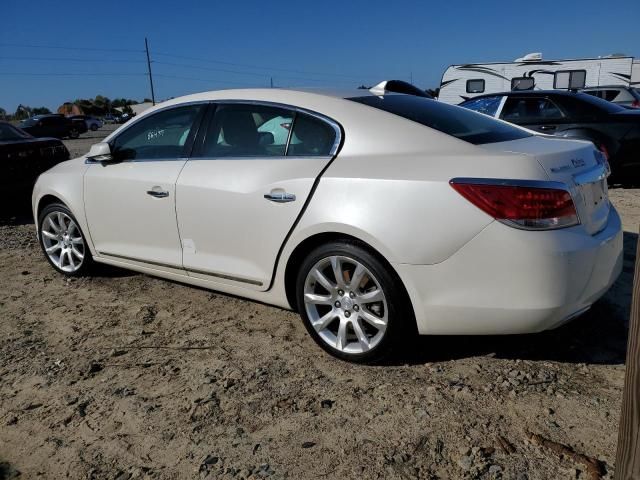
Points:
394	214
613	129
623	96
111	118
53	125
92	123
23	158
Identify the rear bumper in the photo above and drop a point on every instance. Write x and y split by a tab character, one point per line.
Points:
509	281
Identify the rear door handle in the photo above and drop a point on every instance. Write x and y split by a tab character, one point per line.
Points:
280	196
548	127
157	192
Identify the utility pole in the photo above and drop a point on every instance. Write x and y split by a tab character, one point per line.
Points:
628	455
271	82
146	46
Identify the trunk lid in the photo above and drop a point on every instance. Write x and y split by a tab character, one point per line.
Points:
577	164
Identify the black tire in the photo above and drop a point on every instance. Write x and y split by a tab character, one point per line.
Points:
400	319
94	127
74	133
86	263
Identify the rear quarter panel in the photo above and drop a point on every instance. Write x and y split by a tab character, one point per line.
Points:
389	186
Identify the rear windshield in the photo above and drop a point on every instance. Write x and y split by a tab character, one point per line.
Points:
458	122
589	105
8	133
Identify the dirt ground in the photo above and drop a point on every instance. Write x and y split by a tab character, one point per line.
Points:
123	376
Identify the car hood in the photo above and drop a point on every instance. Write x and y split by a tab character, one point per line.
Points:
21	141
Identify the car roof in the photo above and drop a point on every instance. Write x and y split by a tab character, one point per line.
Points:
535	93
249	93
622	87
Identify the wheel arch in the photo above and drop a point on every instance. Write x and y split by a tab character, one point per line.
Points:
305	247
45	201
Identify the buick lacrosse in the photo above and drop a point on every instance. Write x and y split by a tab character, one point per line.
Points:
374	214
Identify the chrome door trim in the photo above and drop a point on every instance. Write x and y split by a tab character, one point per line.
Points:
134	259
225	277
179	267
335	125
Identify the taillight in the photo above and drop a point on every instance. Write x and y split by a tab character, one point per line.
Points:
635	104
520	205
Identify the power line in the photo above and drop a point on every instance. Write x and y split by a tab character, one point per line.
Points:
253	74
218	82
63	59
258	67
18	45
236	72
66	74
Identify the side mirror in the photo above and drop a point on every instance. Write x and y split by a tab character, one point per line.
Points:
100	152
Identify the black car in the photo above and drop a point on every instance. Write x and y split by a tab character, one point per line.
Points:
23	158
57	126
615	130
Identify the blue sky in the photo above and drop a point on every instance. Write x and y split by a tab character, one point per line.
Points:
313	43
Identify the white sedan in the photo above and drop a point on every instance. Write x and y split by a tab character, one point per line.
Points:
389	214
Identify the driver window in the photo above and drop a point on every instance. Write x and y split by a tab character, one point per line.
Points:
161	136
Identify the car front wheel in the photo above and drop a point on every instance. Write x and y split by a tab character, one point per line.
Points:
74	133
62	241
351	304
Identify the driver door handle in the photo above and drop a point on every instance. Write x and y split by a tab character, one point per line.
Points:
548	127
157	192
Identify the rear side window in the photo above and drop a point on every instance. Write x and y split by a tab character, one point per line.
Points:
517	109
475	86
610	95
458	122
311	137
247	130
487	105
522	83
570	79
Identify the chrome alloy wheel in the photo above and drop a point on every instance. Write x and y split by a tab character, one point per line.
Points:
345	304
62	241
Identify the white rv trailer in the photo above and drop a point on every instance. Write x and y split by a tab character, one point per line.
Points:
461	82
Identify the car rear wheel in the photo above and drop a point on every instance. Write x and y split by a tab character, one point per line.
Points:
74	133
62	241
94	127
350	303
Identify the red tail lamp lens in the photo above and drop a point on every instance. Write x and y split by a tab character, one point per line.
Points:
524	206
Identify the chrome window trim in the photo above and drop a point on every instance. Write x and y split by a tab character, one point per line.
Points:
335	125
114	136
262	157
265	103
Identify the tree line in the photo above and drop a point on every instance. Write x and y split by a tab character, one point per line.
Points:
98	106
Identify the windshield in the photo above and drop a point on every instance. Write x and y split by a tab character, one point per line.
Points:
458	122
8	133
